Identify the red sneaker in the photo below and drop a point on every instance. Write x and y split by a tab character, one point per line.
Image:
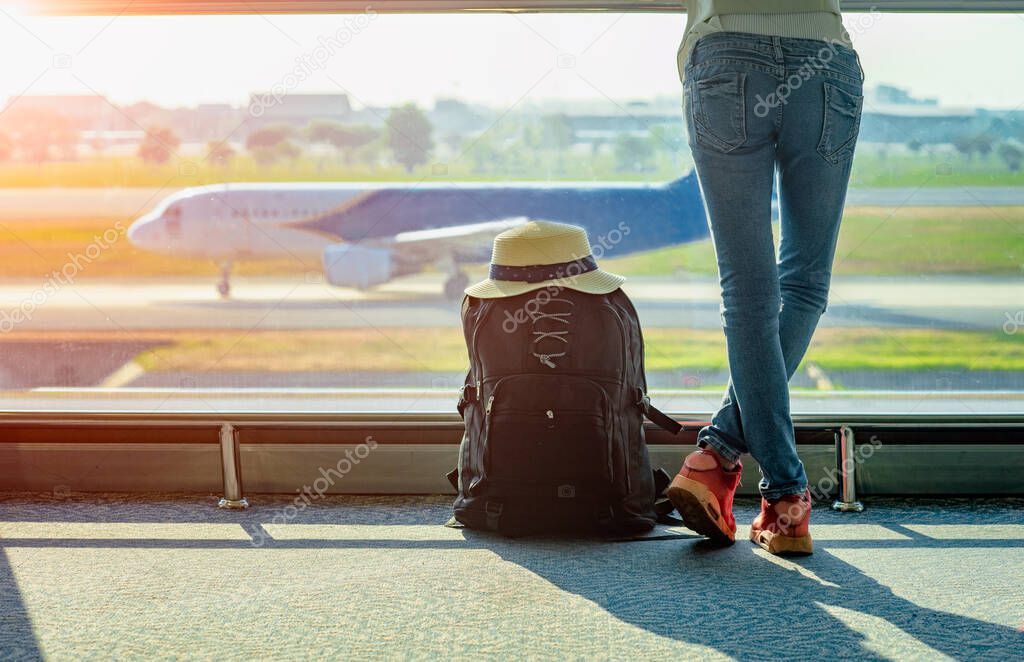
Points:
785	532
703	498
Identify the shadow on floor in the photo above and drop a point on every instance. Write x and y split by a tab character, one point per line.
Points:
17	640
738	600
749	605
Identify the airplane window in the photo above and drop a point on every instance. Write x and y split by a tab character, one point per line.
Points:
574	117
173	219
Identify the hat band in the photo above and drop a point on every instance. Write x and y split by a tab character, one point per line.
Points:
537	273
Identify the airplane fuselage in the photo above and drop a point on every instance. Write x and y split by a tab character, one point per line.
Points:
230	222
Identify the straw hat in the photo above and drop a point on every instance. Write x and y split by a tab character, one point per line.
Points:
539	254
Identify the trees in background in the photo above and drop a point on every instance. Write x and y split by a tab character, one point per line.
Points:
271	143
409	136
158	145
348	140
1012	155
634	153
969	145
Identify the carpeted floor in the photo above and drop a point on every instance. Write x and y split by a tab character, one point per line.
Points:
156	576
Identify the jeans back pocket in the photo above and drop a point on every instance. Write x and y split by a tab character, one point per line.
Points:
718	106
839	131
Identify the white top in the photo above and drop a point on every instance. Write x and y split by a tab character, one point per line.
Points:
820	25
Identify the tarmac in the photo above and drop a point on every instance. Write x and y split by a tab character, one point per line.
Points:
306	302
87	335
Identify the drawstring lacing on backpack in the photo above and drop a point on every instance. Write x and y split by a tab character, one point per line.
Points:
560	335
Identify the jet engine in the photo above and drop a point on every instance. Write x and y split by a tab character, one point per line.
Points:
361	267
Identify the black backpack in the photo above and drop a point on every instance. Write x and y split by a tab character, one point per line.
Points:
554	406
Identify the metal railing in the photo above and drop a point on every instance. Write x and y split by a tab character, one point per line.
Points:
231	430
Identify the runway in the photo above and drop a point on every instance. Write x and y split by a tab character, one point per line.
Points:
88	334
104	322
48	203
940	302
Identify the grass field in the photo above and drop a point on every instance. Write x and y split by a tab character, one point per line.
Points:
443	350
33	249
870	169
131	172
873	241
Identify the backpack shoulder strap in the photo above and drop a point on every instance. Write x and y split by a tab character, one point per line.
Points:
663	508
655	415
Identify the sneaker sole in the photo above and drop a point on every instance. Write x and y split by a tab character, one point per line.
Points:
781	545
699	508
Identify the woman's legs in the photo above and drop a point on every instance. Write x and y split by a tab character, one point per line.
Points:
769	310
737	188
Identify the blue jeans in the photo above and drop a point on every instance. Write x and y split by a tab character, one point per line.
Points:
758	107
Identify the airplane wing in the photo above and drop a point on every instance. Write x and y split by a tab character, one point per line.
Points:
425	246
372	263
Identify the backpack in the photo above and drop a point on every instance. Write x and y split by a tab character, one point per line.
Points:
554	405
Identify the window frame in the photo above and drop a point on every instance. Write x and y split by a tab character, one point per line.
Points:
159	7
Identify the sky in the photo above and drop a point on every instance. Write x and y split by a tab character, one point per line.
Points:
497	59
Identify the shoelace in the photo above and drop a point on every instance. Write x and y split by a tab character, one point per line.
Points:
541	335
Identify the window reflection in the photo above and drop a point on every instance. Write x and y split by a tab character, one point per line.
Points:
256	211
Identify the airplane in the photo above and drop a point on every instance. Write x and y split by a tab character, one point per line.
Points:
366	234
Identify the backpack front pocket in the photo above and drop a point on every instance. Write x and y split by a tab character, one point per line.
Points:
549	430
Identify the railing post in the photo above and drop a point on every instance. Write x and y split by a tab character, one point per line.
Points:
846	459
231	469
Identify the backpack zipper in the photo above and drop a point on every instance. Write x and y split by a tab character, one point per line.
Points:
476	462
625	443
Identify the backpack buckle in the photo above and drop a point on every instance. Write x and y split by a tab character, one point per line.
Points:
643	401
468	392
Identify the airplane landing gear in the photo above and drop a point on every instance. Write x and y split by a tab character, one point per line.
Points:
454	286
224	284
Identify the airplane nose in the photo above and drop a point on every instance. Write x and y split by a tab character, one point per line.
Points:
142	233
